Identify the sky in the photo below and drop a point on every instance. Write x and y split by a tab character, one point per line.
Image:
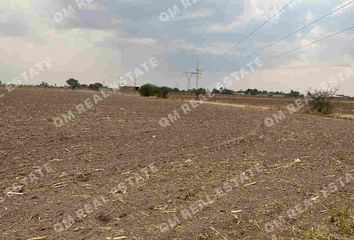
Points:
104	40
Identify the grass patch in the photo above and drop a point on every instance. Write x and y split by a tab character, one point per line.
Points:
312	235
344	221
343	225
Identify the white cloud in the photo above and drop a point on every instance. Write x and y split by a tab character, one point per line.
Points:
309	16
74	51
347	9
253	10
328	52
142	41
194	15
91	44
216	49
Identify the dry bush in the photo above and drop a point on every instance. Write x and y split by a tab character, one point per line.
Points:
322	100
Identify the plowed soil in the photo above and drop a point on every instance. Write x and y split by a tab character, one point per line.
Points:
163	171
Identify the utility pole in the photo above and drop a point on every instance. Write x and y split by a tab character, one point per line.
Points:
198	72
134	84
189	75
135	87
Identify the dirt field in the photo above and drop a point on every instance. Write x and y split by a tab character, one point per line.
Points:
215	173
343	106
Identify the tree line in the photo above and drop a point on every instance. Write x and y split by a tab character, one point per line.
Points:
71	83
153	90
162	92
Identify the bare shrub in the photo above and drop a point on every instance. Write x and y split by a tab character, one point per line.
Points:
322	100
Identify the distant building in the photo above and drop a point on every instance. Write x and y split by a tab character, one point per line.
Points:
341	97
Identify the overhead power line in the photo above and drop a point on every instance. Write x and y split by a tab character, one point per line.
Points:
258	28
310	67
311	43
296	31
300	29
307	25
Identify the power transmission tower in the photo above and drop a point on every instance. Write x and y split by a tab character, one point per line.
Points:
197	72
189	79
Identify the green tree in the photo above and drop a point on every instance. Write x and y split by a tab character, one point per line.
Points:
162	92
252	91
73	83
148	90
227	91
215	91
95	86
199	91
294	93
44	84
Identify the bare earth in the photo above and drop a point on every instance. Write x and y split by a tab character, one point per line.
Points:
169	170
